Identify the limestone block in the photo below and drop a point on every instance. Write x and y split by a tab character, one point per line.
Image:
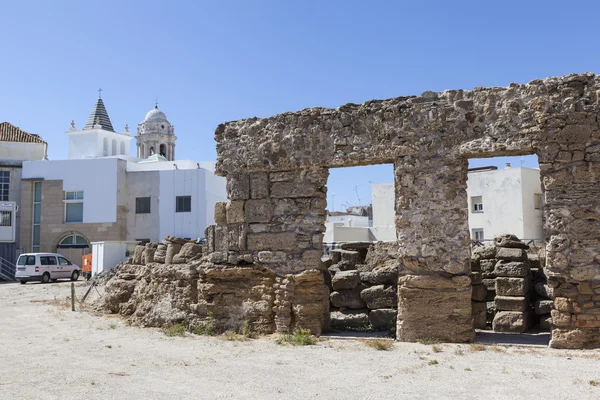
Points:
172	250
380	296
188	252
543	307
258	211
512	268
384	274
347	298
512	286
238	186
272	257
487	268
221	238
560	318
485	252
175	239
511	303
534	260
479	292
434	313
235	212
490	284
383	318
511	254
511	321
272	241
349	319
149	254
336	256
352	257
345	280
436	282
293	189
259	185
138	254
221	212
209	234
575	338
160	253
341	266
490	310
510	241
479	315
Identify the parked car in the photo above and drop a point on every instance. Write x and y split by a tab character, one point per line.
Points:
45	267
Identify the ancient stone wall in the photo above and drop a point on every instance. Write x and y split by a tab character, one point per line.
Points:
277	168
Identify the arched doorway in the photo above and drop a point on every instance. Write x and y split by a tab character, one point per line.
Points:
73	247
163	150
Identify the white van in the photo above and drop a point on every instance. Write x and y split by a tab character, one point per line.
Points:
45	267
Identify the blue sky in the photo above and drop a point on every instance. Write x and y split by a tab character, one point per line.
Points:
213	61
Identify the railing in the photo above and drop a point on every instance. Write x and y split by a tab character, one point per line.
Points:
7	270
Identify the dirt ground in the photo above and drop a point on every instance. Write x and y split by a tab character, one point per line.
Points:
50	352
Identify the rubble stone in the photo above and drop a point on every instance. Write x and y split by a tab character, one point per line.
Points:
511	254
512	286
345	280
543	306
511	269
347	298
383	318
349	319
380	296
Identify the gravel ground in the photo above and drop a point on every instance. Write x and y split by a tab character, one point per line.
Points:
50	352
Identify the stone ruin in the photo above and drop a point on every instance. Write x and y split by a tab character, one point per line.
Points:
263	257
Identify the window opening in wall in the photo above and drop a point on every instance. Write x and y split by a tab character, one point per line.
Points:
476	204
37	216
73	201
142	205
183	204
361	212
114	147
505	197
122	152
163	150
105	146
4	185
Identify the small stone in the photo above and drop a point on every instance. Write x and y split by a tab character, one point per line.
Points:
271	257
345	280
509	241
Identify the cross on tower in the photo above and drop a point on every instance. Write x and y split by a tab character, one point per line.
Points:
99	93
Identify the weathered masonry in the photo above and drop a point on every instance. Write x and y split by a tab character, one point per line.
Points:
277	168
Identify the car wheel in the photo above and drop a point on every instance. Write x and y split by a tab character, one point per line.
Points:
75	275
46	277
23	282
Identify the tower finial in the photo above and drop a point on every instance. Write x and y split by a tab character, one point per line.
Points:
100	93
156	104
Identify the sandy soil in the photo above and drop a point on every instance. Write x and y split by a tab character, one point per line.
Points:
50	352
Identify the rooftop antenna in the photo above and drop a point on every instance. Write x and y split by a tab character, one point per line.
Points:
100	93
357	196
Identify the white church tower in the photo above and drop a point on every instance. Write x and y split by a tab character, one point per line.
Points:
156	136
98	137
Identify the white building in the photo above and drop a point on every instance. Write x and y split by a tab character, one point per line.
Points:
102	194
16	146
502	201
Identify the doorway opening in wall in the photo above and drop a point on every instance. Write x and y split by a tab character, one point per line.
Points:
360	251
506	224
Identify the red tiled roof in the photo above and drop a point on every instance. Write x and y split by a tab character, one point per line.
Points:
11	133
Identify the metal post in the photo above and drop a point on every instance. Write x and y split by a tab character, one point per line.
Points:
72	296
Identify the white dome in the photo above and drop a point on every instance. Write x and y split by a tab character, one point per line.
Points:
155	115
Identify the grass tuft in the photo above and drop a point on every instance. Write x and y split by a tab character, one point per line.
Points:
175	330
593	383
379	344
233	337
301	337
433	362
206	328
436	349
477	347
430	340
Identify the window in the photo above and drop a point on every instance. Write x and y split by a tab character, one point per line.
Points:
538	202
48	260
37	216
476	204
63	261
163	150
75	241
105	146
73	206
142	205
183	203
4	185
5	218
26	260
122	145
477	234
114	147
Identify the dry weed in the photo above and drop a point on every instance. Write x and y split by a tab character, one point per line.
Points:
379	344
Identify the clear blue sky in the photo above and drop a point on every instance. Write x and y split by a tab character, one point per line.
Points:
213	61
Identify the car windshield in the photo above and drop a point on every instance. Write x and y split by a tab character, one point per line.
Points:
21	260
